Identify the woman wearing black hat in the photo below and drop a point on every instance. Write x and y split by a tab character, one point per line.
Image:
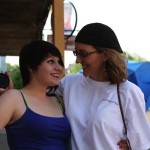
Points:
92	100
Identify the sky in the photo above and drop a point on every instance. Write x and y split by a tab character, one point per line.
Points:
128	18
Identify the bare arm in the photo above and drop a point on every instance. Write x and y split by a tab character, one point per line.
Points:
7	107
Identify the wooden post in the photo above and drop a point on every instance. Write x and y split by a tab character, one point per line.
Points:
58	24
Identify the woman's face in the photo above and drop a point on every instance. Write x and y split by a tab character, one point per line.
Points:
93	62
48	72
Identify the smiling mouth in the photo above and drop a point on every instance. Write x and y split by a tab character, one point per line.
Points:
56	75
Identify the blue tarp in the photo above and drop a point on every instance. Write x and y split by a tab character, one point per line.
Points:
139	73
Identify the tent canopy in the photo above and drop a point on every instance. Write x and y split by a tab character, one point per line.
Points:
139	73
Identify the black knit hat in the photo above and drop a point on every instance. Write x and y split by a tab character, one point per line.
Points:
98	34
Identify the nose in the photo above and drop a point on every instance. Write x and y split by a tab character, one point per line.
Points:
58	67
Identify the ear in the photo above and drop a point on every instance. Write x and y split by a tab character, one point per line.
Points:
104	57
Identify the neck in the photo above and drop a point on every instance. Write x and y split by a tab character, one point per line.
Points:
32	89
101	77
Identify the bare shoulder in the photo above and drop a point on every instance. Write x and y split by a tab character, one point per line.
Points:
10	91
9	104
11	94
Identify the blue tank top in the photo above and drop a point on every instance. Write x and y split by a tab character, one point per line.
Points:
37	132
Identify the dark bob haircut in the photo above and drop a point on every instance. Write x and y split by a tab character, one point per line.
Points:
32	55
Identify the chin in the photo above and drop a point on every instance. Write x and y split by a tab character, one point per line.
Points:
54	83
85	74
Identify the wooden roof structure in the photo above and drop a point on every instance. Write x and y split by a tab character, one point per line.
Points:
22	21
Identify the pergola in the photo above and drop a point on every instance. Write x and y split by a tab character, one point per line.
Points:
22	21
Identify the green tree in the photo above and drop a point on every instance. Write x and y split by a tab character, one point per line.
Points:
135	57
15	74
73	68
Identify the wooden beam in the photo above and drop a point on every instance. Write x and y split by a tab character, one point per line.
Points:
58	24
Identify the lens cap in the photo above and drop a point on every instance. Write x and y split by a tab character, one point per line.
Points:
4	81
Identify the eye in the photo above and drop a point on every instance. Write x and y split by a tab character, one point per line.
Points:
51	61
83	53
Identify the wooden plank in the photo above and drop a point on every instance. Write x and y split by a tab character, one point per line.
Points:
20	22
58	24
12	46
14	42
19	11
16	30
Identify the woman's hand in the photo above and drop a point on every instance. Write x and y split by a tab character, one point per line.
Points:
123	145
11	86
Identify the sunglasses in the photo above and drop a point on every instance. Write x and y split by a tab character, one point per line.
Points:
82	54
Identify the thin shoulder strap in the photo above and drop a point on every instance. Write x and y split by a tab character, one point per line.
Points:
60	102
24	100
123	118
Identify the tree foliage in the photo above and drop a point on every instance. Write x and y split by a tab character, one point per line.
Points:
15	74
135	57
73	68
